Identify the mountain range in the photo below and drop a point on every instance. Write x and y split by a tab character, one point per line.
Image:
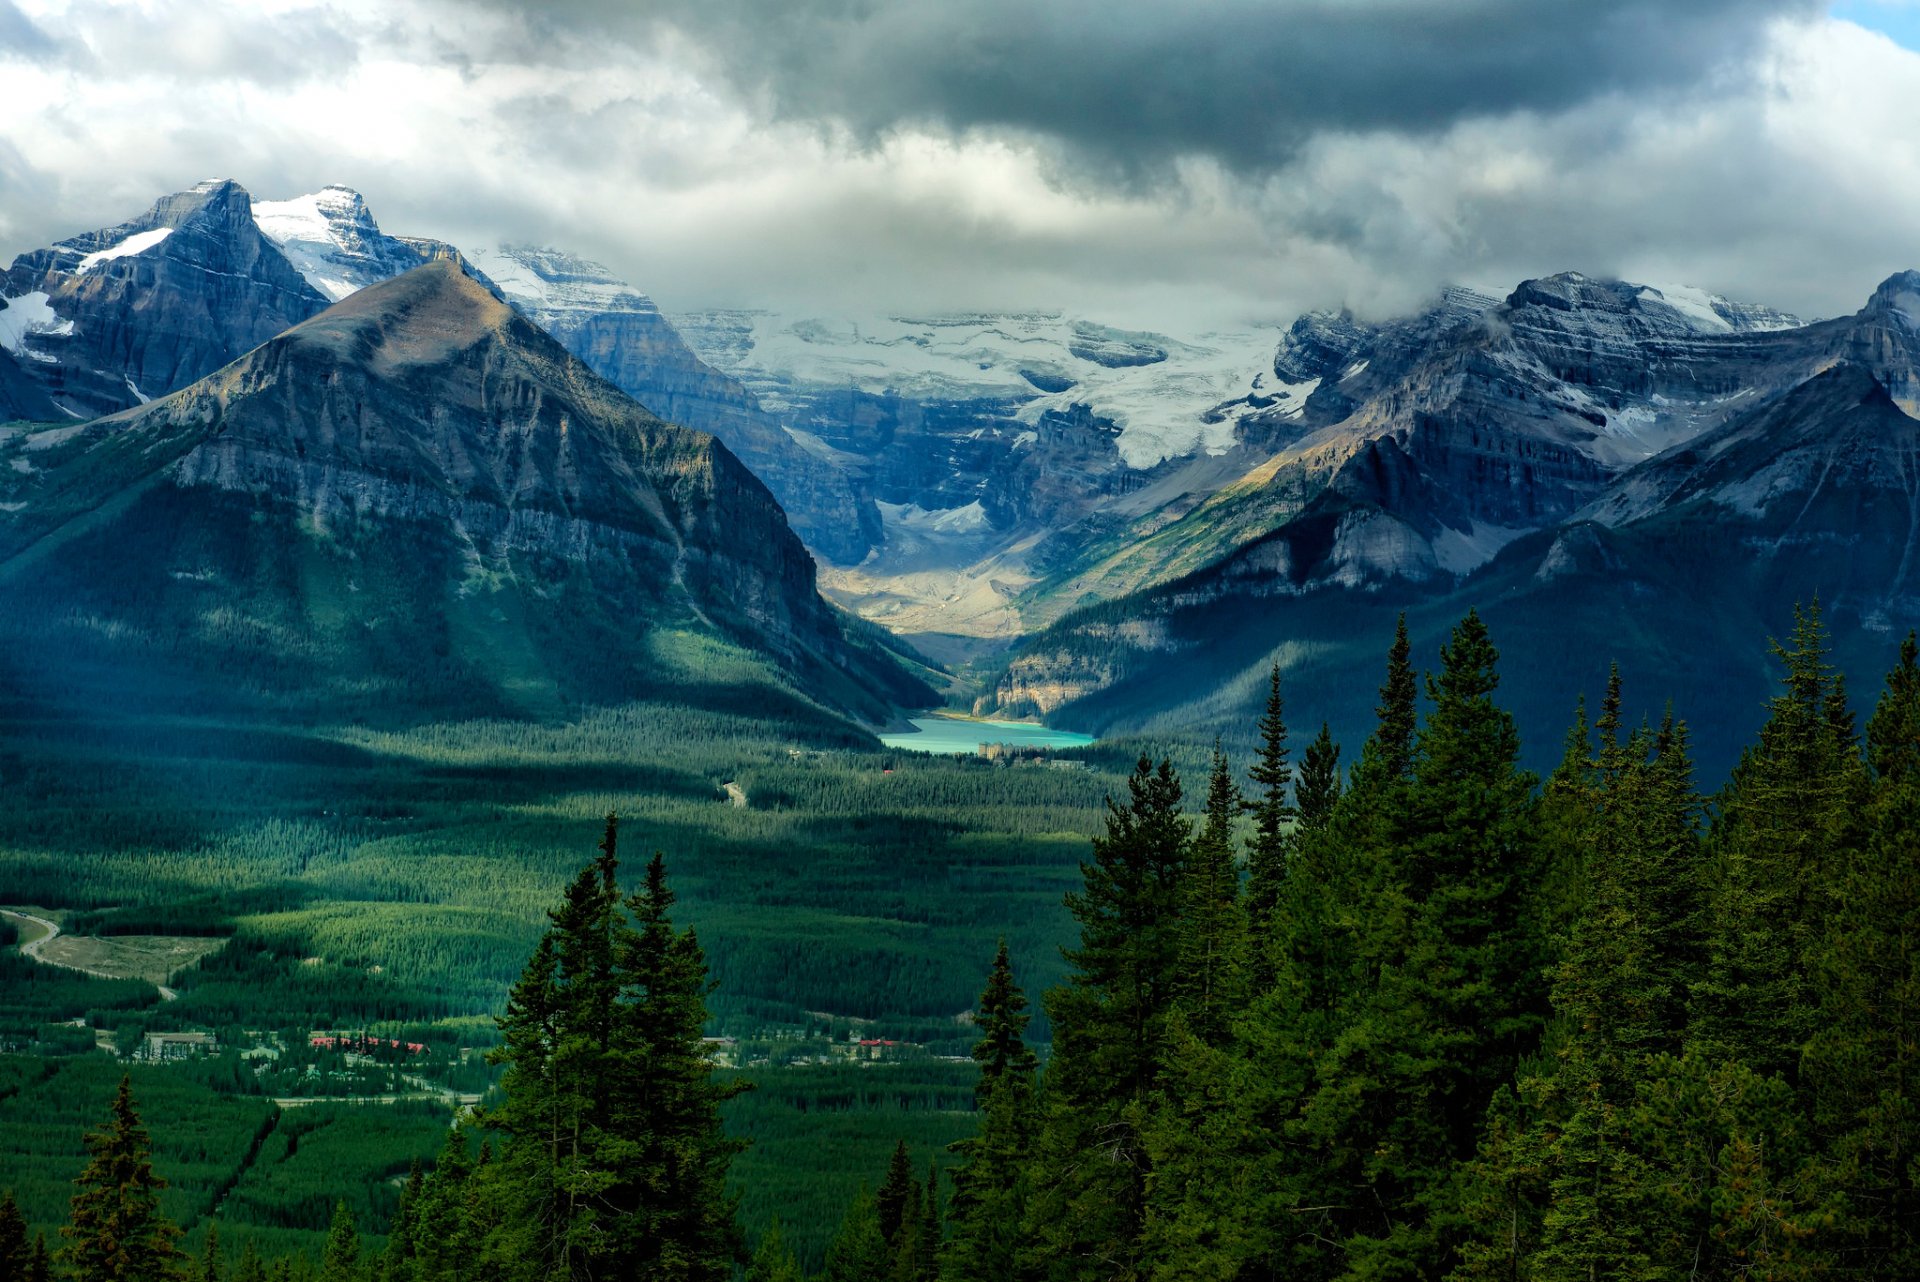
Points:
1136	523
1600	484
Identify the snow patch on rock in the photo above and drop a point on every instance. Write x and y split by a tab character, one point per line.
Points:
138	243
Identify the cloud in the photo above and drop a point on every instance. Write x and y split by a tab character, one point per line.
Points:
1127	86
1777	168
22	40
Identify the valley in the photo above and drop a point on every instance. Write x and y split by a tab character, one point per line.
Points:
335	631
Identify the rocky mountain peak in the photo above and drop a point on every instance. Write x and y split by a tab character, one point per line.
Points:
1898	298
484	517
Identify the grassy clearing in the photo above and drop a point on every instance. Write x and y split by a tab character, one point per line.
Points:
154	958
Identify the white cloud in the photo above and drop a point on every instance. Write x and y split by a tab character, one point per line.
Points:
1790	180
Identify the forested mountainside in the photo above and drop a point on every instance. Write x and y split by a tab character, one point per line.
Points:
1456	1022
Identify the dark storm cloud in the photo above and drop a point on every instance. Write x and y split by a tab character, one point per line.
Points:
1136	82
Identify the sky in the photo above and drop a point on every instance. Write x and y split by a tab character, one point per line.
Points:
1183	167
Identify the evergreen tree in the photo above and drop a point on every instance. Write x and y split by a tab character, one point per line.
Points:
1787	821
926	1243
14	1250
773	1260
614	1150
1110	1023
250	1268
39	1262
991	1182
857	1252
1318	791
1212	926
210	1255
1863	1062
340	1261
1002	1052
1459	997
117	1233
1273	814
891	1203
684	1228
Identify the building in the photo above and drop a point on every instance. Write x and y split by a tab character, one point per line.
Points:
159	1047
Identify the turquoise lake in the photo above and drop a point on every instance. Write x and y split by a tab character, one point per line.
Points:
953	734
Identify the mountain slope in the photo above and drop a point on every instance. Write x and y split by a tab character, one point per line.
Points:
416	500
625	339
1678	570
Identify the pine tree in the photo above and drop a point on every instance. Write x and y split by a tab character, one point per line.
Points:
890	1204
14	1250
1110	1023
1318	791
1273	814
250	1268
773	1260
340	1261
857	1252
1863	1062
1213	932
990	1183
926	1243
117	1233
210	1256
614	1151
684	1228
1460	995
39	1262
1787	822
1002	1052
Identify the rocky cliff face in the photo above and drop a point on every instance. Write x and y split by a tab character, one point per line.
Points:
421	494
113	317
625	339
1514	465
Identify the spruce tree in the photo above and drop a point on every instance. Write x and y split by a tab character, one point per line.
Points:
1460	993
614	1160
14	1250
39	1261
340	1261
1213	932
683	1225
773	1260
250	1268
990	1183
1863	1062
927	1243
1273	814
117	1233
1318	791
890	1203
1786	825
1110	1022
210	1256
857	1252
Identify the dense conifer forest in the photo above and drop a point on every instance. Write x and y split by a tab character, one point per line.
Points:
1429	1016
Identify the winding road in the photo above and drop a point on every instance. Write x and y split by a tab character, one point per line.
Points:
52	928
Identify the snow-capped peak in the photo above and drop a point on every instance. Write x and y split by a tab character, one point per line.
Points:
332	239
548	280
